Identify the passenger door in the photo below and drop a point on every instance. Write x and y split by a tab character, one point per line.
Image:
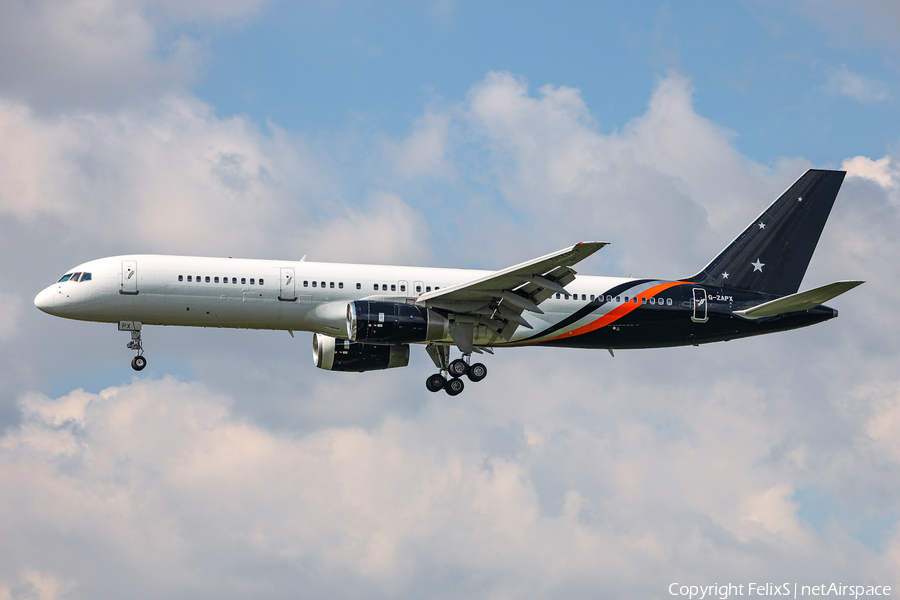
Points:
699	314
129	284
287	290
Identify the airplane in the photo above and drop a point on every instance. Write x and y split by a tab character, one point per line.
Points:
365	317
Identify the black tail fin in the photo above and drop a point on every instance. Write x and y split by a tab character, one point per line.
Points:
772	254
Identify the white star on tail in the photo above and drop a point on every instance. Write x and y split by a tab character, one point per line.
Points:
725	275
757	266
761	225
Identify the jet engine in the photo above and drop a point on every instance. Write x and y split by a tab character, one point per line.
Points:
343	355
394	323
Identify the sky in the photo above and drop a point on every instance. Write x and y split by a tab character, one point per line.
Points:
455	134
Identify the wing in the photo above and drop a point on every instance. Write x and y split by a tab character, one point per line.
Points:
498	300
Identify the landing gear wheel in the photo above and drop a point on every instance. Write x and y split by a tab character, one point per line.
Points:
477	372
458	368
138	363
435	383
454	386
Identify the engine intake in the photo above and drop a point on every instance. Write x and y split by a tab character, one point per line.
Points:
343	355
394	323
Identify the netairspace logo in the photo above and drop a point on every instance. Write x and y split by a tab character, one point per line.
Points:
725	591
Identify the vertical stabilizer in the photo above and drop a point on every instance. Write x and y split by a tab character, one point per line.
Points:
772	254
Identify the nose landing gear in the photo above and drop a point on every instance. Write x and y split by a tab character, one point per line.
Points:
138	362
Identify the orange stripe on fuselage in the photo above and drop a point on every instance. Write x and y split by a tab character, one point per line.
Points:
616	313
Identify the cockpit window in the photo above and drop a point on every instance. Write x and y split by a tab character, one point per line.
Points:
85	277
76	277
65	277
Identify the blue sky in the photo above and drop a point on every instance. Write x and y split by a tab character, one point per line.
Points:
457	134
761	70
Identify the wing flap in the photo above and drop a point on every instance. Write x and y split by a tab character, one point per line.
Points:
498	300
553	267
800	301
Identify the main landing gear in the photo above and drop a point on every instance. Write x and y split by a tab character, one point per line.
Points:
456	370
138	362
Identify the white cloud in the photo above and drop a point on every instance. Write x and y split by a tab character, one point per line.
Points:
161	476
175	177
862	89
422	152
881	171
101	53
565	473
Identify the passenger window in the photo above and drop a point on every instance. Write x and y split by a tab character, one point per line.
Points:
619	299
306	283
189	278
331	285
418	289
436	288
652	300
252	281
567	296
643	301
234	280
402	288
65	277
323	284
340	285
427	288
376	287
609	298
198	279
626	298
668	302
558	295
359	286
634	300
243	280
260	281
592	297
583	297
216	280
383	287
315	284
393	287
207	279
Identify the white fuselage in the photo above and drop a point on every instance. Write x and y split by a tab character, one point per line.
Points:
267	294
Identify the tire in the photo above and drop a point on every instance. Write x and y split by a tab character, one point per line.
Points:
477	372
138	363
454	386
435	383
458	367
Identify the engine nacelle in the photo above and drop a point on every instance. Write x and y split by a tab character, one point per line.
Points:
394	323
343	355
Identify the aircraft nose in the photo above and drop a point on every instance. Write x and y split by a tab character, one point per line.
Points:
45	299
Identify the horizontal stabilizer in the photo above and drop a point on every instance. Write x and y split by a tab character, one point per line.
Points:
800	301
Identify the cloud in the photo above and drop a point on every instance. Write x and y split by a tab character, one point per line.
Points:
564	473
104	53
159	475
175	177
862	89
871	23
549	151
881	171
422	152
